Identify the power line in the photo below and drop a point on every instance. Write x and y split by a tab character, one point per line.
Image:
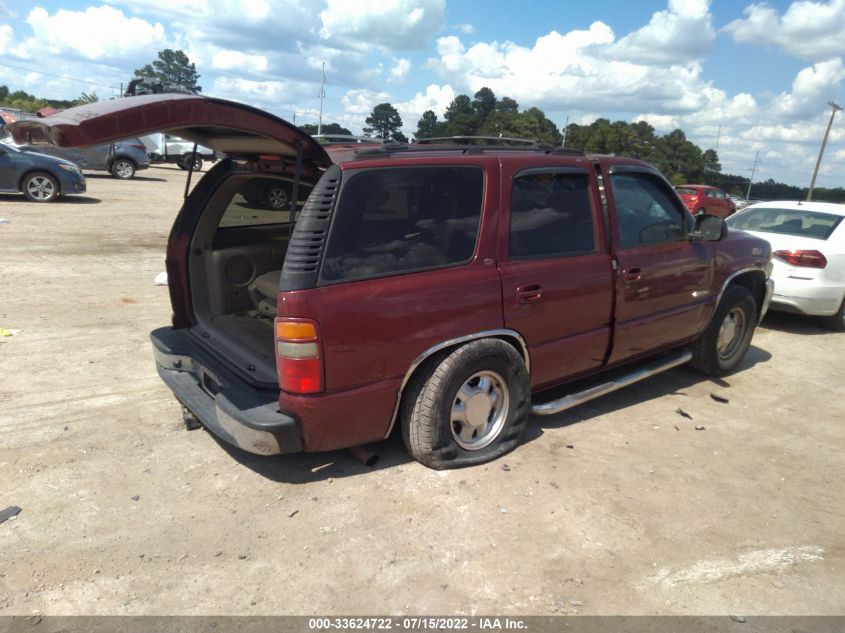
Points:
41	72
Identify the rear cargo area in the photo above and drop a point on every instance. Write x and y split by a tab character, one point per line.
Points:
234	267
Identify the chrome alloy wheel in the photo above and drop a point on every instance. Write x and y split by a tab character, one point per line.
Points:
277	198
479	410
123	169
731	333
40	188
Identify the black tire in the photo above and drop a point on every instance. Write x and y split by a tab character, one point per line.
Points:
836	322
123	168
186	161
39	186
462	383
276	196
737	313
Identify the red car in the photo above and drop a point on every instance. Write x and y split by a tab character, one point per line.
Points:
440	290
706	199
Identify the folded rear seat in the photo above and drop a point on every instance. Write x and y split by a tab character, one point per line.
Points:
263	291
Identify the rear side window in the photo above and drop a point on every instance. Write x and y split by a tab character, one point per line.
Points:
551	216
403	219
787	222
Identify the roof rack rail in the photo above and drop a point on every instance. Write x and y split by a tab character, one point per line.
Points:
428	145
470	140
327	139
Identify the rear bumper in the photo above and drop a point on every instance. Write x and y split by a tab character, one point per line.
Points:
225	404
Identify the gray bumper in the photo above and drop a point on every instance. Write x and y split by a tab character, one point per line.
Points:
224	403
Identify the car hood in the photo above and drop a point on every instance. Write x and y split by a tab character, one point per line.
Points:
225	126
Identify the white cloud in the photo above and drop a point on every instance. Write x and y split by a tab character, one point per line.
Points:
810	30
465	28
682	33
400	71
810	90
435	98
235	60
388	24
94	33
6	37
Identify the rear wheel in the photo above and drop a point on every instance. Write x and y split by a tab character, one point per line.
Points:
836	322
40	187
123	168
471	407
724	343
276	196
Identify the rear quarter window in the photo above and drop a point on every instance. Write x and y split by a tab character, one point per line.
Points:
398	220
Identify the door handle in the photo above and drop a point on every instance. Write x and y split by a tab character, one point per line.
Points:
632	274
530	293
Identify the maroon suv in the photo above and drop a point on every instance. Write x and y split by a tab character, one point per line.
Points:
441	289
706	199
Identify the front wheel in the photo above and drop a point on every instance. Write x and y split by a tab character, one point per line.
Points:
724	343
186	162
123	168
40	187
470	408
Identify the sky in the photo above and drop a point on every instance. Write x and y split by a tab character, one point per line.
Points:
736	76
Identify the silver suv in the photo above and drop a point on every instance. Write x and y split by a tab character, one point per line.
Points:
121	158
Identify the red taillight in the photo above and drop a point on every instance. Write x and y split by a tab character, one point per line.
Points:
804	259
298	356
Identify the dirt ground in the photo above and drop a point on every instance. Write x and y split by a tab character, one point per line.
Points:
619	506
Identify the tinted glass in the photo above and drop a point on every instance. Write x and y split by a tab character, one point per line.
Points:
646	212
787	222
396	220
550	216
251	206
685	191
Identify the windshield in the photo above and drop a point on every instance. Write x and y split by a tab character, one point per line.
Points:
787	222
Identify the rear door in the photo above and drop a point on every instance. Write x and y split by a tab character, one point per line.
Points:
555	268
663	279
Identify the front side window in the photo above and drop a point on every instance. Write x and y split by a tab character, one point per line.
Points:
551	215
645	210
403	219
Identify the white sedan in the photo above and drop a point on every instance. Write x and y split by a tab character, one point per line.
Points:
808	255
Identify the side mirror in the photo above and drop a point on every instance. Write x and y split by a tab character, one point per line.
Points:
709	228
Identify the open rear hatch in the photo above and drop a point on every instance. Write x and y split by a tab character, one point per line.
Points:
230	239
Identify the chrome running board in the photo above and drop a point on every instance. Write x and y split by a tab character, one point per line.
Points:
572	400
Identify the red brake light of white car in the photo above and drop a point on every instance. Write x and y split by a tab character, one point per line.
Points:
804	259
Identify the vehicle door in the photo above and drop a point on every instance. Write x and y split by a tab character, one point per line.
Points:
663	279
67	153
555	268
96	156
9	172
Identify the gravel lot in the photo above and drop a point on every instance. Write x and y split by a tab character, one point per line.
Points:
618	507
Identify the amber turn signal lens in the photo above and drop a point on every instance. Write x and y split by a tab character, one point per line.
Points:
295	331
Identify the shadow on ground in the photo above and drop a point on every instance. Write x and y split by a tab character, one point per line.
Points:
793	323
11	197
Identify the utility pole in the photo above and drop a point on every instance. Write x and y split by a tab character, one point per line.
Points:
322	96
834	108
753	171
565	126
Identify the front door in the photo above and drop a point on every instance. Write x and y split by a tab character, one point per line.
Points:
557	281
663	279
